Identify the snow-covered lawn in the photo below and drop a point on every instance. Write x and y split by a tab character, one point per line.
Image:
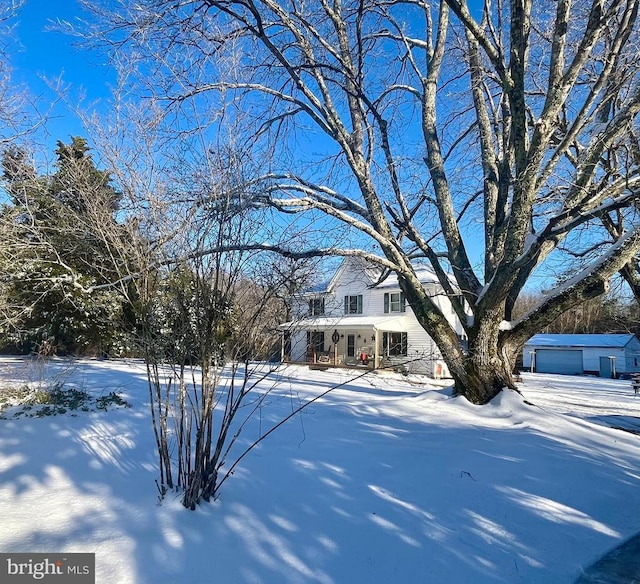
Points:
385	480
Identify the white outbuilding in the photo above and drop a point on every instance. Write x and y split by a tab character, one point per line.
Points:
607	355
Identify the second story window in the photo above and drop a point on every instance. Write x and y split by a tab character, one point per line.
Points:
316	307
353	304
394	302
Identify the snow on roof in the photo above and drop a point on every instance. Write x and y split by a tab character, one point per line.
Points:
580	340
425	275
389	323
320	288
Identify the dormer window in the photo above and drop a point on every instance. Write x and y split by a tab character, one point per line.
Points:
394	302
316	307
353	304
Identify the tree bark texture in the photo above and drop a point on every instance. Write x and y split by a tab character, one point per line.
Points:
499	138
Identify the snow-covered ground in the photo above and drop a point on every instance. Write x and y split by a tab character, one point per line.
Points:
385	480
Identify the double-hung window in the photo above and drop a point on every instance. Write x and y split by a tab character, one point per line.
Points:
316	307
315	341
353	304
394	344
394	302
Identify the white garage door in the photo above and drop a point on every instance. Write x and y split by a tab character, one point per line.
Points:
564	361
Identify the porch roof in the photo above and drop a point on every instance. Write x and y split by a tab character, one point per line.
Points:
381	323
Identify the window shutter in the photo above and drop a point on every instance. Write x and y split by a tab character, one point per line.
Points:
403	302
359	303
386	302
346	305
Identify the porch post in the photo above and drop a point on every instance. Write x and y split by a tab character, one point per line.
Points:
335	338
376	349
282	347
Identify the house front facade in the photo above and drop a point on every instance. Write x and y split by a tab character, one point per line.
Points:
358	319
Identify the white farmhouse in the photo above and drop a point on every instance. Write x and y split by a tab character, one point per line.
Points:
607	355
356	319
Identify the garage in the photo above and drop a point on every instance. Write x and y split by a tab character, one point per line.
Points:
563	361
605	354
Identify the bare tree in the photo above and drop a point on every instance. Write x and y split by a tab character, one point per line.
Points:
417	125
206	316
20	113
603	314
207	325
10	101
20	117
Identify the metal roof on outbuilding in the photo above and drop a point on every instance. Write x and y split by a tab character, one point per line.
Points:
580	340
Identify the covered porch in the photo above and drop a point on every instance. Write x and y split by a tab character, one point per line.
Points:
350	341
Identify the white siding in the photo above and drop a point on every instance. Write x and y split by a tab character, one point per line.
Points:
421	345
591	358
526	356
353	279
423	355
298	346
627	359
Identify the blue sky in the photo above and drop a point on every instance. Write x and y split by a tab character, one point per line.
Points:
41	55
38	54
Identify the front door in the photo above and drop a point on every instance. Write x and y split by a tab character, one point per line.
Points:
351	345
606	367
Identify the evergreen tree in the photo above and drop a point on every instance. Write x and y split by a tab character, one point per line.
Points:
56	250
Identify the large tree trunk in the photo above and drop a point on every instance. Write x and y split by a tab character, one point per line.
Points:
486	367
483	373
479	382
540	150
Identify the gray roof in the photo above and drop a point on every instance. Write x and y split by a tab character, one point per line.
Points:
592	340
425	274
320	288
